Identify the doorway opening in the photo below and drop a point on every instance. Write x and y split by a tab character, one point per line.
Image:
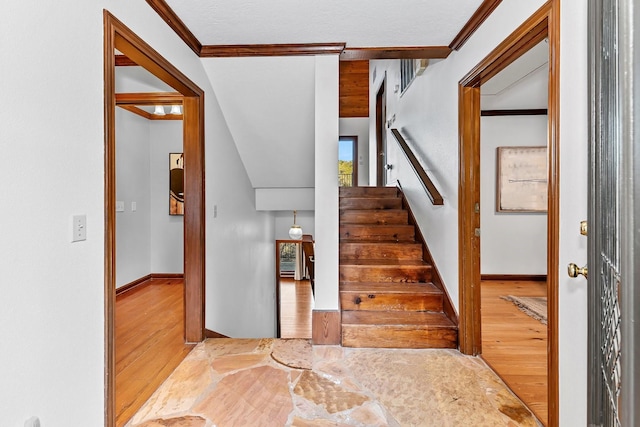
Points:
544	24
122	41
348	161
294	287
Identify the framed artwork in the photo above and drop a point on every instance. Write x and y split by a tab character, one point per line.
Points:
176	184
522	179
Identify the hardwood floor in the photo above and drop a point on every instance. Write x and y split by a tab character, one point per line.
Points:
296	304
149	342
514	344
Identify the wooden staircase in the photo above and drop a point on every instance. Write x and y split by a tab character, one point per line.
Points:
387	296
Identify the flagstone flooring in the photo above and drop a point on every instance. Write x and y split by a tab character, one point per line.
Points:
268	382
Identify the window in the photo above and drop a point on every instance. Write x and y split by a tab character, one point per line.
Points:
407	73
347	161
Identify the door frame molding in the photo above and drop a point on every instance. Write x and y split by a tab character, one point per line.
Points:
544	23
381	100
118	36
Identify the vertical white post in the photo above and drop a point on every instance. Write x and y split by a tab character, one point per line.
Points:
326	182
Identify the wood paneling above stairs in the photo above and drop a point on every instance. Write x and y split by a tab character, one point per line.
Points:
387	296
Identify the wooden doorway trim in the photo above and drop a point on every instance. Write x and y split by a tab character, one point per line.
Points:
545	23
118	36
380	130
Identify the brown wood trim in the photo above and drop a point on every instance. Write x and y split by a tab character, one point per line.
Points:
138	111
211	334
543	23
241	50
469	220
110	221
160	276
521	112
142	113
432	191
398	52
138	283
511	277
123	61
176	24
149	98
448	307
553	217
477	19
326	327
118	36
530	33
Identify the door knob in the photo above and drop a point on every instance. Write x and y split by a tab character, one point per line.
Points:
583	228
575	271
388	167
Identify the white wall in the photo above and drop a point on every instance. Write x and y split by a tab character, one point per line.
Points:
133	230
511	243
358	126
54	289
167	231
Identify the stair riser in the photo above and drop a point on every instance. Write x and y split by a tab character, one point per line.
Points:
384	336
390	302
380	232
379	217
390	251
371	203
368	192
399	274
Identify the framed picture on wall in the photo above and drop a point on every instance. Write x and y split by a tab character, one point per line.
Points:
176	184
522	179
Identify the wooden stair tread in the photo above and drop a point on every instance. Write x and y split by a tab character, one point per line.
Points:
391	263
401	319
380	242
373	216
390	287
368	192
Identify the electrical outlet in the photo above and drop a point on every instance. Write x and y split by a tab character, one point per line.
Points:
134	206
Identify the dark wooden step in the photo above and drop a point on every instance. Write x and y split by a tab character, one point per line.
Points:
374	216
370	203
385	271
368	192
390	296
398	329
354	249
397	233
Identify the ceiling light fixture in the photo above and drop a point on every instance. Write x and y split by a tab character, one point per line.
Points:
159	111
176	109
295	232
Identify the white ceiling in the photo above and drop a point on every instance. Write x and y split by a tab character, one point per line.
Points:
359	23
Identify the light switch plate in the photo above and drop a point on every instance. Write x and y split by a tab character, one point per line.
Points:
119	206
134	206
79	228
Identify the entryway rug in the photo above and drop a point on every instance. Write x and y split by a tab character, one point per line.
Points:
535	307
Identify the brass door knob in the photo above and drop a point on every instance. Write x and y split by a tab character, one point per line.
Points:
575	271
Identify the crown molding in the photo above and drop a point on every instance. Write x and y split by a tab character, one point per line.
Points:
477	19
241	50
398	52
169	16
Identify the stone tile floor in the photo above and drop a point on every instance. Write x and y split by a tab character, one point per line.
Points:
268	382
